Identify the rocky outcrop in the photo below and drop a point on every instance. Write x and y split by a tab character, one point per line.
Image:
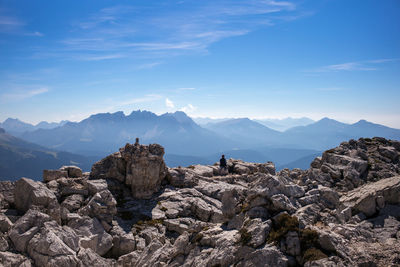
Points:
131	210
138	166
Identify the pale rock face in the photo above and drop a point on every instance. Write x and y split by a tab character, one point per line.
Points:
102	205
50	175
95	186
112	166
91	233
90	258
197	217
5	223
145	168
54	246
29	193
8	259
26	227
366	198
73	171
138	166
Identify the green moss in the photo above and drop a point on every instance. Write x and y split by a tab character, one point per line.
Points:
313	254
191	167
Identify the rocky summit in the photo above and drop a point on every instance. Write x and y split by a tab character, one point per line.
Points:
132	210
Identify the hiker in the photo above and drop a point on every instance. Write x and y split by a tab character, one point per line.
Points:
222	165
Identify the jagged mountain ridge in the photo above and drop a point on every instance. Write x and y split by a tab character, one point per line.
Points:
17	127
343	211
103	133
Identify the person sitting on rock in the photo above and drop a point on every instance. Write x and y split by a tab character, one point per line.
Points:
222	164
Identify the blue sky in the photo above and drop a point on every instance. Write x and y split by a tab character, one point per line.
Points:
255	58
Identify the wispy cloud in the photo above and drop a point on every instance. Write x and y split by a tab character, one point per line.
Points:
146	98
330	89
38	34
169	103
99	57
189	108
156	31
148	65
11	24
187	89
18	94
366	65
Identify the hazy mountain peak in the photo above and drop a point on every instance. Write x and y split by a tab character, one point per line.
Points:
108	115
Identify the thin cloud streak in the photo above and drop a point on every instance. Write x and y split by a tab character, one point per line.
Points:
367	65
23	94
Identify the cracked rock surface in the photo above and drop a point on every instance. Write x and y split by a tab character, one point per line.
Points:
132	210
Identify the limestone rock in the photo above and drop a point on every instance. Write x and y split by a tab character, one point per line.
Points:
5	223
364	199
26	227
89	258
73	171
145	168
102	205
9	259
54	246
95	186
29	193
91	233
112	166
138	166
50	175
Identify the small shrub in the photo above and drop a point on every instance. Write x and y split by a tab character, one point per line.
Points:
313	254
245	236
163	209
282	225
191	167
332	150
308	239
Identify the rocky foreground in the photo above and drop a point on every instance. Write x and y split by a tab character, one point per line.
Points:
131	210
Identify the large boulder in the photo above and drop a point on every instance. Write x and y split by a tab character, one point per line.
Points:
73	171
26	227
140	167
54	246
91	233
29	193
369	198
9	259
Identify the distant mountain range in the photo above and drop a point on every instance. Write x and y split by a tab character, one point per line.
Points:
274	124
186	142
19	158
285	124
17	127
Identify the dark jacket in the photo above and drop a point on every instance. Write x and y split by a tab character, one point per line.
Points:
222	163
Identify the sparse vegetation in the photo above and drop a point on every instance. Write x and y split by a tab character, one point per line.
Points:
310	248
245	236
283	224
313	254
163	209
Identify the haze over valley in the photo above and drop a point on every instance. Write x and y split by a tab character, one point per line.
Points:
28	149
